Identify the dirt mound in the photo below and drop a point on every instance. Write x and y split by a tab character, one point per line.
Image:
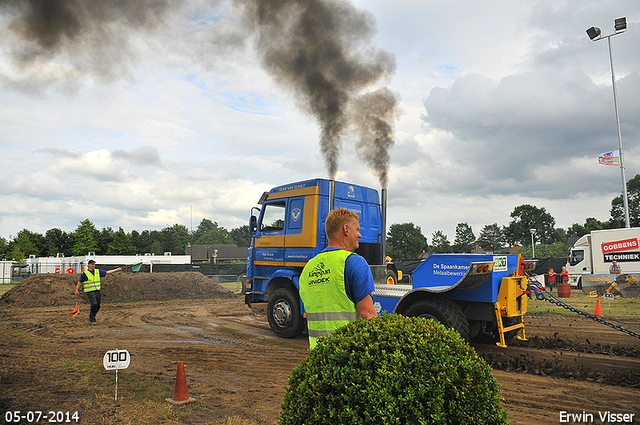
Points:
43	290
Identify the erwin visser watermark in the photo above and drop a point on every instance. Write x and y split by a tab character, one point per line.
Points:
605	417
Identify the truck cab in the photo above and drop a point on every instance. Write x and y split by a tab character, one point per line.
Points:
591	256
579	262
288	230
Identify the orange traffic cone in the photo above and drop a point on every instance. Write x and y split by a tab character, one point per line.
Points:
598	311
180	394
75	311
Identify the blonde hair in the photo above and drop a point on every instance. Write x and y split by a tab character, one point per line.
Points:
336	219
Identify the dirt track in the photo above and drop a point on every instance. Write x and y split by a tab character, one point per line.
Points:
238	367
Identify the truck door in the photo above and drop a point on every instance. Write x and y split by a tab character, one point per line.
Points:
269	241
287	232
301	233
576	257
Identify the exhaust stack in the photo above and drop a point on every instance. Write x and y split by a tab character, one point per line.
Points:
332	194
384	224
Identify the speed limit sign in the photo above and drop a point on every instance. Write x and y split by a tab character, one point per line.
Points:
116	359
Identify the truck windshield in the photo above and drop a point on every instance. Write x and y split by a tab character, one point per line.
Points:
273	217
576	257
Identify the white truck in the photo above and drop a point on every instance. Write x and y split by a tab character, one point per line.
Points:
592	255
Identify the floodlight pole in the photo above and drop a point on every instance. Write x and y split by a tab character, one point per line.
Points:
625	198
533	244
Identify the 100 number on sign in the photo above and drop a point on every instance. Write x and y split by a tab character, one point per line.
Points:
116	359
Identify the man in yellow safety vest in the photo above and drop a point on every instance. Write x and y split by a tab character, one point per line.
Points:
91	279
336	285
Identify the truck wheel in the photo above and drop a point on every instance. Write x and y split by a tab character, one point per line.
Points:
283	312
579	284
482	331
392	278
475	328
489	331
444	311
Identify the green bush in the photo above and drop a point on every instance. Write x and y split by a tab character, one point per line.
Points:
393	370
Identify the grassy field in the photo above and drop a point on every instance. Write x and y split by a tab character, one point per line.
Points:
619	308
235	287
5	287
141	399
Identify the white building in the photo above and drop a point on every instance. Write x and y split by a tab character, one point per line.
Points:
62	264
5	270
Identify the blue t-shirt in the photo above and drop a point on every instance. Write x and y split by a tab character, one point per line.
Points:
357	276
84	278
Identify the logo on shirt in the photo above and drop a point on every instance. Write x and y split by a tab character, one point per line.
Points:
319	275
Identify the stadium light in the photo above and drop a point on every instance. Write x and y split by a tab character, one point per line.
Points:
533	245
594	33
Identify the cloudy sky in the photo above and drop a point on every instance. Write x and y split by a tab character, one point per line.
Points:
145	118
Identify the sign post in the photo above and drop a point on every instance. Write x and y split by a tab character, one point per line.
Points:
116	359
609	297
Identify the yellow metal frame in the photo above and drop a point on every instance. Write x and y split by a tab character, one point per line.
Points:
511	303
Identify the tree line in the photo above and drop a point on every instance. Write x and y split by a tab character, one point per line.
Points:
404	241
87	238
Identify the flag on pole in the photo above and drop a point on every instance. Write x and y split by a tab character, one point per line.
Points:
610	158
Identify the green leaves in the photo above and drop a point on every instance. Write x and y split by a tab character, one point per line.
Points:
526	217
439	243
393	370
84	238
465	239
405	241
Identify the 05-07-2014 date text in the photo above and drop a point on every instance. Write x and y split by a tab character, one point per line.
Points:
44	416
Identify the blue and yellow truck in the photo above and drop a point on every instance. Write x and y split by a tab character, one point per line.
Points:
479	295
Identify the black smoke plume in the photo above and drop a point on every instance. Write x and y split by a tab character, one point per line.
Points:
88	38
319	49
53	23
373	116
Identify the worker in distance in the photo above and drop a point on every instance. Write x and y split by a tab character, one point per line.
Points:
92	286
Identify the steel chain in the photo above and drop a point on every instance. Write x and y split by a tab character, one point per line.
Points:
542	296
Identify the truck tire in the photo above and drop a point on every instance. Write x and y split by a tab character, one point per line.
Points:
444	311
283	312
487	332
391	278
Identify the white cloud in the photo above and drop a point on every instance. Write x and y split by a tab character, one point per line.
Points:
503	103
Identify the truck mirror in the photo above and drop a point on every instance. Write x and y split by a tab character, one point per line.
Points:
253	224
